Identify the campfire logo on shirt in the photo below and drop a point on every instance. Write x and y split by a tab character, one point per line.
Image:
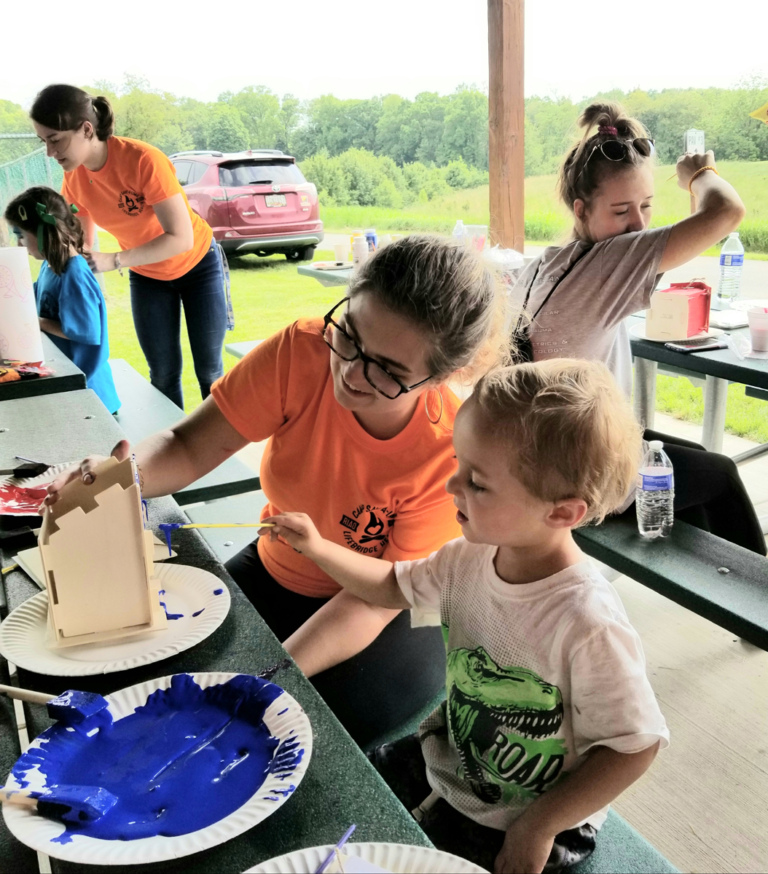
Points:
131	203
367	528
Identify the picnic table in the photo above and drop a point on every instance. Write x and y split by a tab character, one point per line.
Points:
67	376
82	412
327	278
718	367
340	787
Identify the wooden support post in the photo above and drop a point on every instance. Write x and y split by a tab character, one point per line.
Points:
506	122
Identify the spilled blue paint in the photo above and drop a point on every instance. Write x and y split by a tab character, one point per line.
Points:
185	759
201	610
217	591
171	615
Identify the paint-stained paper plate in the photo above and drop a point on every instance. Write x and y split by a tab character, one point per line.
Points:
639	330
285	721
198	599
397	858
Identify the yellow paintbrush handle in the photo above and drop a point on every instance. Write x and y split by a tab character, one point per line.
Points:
7	570
229	525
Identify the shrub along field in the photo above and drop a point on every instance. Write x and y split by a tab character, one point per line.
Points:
547	220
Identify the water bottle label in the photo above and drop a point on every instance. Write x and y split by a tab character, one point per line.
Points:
661	483
731	260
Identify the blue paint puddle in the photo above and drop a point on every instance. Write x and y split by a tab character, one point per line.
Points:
217	591
202	610
185	759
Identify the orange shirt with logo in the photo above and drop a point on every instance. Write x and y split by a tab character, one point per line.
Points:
119	198
384	498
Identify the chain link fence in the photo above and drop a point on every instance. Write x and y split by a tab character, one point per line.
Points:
21	173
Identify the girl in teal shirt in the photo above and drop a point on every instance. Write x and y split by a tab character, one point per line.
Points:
70	304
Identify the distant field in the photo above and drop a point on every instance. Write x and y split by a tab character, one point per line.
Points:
546	219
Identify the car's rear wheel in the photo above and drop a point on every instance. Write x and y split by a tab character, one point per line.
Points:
306	253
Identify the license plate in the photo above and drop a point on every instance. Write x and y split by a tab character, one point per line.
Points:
275	199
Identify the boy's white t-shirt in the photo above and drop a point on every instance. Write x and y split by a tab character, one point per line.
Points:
537	675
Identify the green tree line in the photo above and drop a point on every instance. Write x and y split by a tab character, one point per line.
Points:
429	131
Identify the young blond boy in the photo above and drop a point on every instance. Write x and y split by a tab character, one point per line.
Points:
549	713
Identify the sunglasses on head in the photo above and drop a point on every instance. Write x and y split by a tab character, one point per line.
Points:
616	150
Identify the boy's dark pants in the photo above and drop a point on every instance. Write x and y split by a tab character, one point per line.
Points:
402	766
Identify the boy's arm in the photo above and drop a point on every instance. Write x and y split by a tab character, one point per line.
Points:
372	579
602	778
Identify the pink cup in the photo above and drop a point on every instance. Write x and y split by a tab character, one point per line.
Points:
758	328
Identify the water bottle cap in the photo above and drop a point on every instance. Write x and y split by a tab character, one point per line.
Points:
655	444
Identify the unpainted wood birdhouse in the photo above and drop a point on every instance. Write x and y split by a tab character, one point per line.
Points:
97	559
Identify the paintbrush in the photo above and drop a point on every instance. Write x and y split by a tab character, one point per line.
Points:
330	857
66	803
167	527
29	468
69	708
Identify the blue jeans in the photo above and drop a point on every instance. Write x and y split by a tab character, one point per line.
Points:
156	305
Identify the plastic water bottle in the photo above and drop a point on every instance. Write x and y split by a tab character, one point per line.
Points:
655	494
459	231
731	267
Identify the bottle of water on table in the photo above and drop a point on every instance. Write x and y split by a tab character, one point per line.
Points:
731	267
655	495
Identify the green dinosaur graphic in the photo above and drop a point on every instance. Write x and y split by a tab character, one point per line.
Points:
503	722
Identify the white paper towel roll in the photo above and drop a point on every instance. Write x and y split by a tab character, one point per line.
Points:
19	326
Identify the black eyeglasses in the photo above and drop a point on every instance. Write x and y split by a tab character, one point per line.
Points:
616	150
346	348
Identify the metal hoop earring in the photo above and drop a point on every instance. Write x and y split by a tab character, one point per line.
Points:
426	406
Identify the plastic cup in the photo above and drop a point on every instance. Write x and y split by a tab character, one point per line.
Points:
341	251
476	235
758	328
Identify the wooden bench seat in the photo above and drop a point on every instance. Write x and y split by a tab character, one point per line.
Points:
685	567
145	410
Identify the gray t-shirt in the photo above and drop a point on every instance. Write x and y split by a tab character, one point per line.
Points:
605	283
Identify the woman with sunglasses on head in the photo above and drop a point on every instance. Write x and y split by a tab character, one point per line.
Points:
129	188
359	420
577	296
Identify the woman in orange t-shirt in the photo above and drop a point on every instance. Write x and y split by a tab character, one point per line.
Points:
130	189
359	420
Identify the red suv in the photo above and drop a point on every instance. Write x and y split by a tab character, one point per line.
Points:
256	202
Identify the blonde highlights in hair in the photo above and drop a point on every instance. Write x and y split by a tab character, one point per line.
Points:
570	431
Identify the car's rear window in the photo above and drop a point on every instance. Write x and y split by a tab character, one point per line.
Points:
237	173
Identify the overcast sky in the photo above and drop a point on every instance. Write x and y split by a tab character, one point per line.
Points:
573	48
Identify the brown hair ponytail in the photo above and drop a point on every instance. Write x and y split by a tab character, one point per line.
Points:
55	235
585	166
64	107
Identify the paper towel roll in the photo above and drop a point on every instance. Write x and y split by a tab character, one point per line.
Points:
19	326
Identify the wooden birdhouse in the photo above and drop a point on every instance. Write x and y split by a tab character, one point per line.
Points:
97	559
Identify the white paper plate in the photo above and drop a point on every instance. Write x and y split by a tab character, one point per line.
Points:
392	857
638	330
188	590
744	305
284	717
